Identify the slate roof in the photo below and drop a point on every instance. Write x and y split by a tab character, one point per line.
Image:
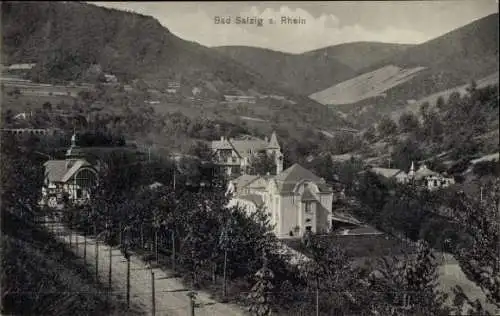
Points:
296	173
254	198
221	144
423	172
243	145
344	217
386	172
244	180
56	171
288	179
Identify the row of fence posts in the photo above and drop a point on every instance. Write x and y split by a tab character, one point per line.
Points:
191	294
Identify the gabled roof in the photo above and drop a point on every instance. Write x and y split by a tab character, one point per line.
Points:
244	180
56	170
221	144
74	168
288	179
342	216
423	172
243	146
386	172
297	173
254	198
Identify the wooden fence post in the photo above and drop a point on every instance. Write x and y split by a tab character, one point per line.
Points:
128	281
173	251
85	246
153	296
224	284
97	259
110	267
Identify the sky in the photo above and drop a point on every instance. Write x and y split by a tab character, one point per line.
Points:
324	23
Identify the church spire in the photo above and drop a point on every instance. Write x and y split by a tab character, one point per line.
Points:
273	143
411	174
73	153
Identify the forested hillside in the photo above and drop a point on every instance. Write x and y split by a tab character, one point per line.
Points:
465	54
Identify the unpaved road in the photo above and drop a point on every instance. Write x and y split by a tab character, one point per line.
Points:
170	293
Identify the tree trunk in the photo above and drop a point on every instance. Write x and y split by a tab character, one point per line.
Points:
142	236
214	273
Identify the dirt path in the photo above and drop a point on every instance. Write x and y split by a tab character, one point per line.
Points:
170	294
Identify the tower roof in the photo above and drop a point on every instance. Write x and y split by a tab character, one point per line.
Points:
74	151
273	143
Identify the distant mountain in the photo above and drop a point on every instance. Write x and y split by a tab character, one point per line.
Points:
315	70
360	55
67	40
304	74
451	60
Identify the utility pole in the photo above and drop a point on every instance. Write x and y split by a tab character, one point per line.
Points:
156	238
317	296
192	296
224	286
110	267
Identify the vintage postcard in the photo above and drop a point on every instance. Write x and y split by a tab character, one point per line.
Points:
250	158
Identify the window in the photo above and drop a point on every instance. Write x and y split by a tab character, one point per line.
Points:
79	193
308	228
308	207
86	178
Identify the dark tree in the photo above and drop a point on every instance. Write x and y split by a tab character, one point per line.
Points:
408	122
387	127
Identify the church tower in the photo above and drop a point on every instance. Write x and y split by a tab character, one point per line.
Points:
411	173
274	148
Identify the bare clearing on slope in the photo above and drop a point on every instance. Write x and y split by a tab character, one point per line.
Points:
368	85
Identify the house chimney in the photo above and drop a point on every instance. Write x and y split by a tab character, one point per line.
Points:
266	139
222	138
